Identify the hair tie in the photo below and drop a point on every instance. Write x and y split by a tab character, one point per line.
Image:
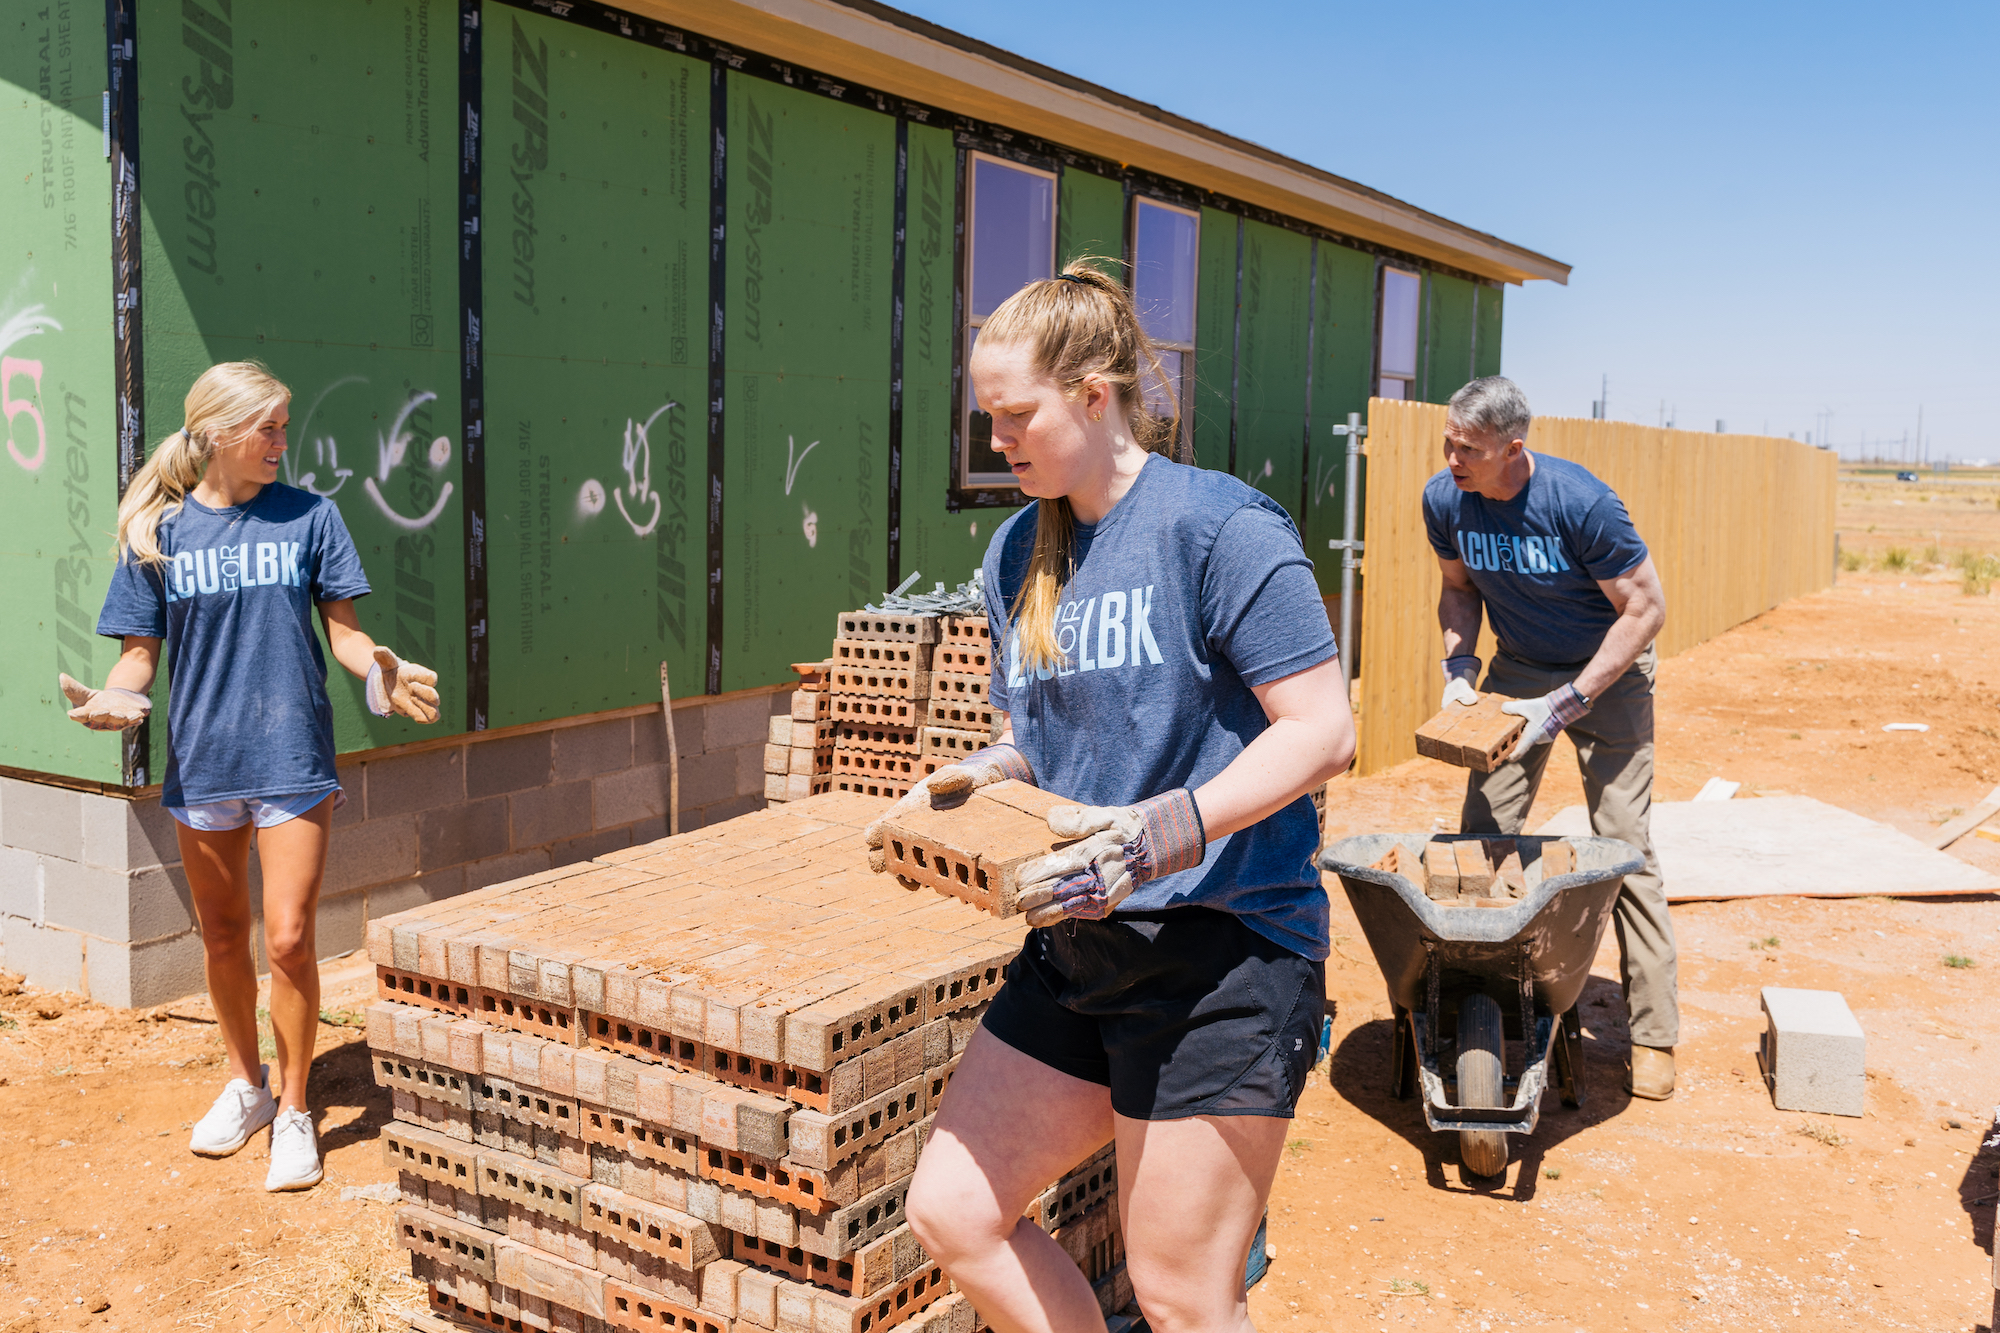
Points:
1071	277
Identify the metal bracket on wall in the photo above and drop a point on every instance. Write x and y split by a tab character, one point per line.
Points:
1349	545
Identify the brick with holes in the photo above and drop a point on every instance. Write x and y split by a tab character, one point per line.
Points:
974	850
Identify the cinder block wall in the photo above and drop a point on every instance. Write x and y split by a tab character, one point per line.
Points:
93	897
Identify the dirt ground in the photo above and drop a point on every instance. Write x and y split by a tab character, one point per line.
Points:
1711	1210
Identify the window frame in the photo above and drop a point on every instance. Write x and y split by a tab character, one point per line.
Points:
1382	374
1184	442
968	486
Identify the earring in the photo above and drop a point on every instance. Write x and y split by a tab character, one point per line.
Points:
1097	416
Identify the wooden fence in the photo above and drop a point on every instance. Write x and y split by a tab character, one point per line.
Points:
1735	523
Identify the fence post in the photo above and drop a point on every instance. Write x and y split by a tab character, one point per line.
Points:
1348	544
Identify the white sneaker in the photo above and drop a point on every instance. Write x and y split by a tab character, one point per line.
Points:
238	1113
294	1153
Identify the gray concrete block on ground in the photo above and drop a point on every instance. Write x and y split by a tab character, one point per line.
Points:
511	763
126	906
40	818
128	835
749	769
462	833
1813	1052
376	851
548	814
354	781
599	747
409	783
51	959
20	884
138	975
340	924
707	778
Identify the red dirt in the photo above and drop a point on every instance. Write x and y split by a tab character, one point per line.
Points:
1709	1211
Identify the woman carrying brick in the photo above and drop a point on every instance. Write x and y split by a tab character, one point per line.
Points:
225	565
1166	663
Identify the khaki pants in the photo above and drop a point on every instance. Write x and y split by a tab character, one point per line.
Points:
1614	752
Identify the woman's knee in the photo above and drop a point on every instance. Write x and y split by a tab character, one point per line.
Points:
290	946
226	935
951	1213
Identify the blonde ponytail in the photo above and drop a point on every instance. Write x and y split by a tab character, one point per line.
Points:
228	399
1076	325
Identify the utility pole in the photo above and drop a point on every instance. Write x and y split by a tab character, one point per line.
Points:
1920	432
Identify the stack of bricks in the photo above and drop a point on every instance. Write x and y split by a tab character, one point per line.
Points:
798	754
908	696
684	1086
959	719
1480	872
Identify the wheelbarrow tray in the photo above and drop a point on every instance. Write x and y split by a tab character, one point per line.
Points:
1541	944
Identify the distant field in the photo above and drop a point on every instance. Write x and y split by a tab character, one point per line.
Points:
1938	525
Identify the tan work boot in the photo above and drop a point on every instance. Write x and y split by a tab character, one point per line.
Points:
1652	1073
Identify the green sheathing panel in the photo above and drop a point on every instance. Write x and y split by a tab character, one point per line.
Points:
596	282
1215	338
298	191
1343	355
812	198
1447	336
1271	397
1090	219
58	472
1486	352
938	545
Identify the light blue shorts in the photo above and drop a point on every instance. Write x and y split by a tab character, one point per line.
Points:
264	811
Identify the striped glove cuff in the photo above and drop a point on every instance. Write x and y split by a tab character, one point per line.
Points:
1007	760
1170	839
1565	707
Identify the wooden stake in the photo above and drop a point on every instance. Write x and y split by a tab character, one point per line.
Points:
673	755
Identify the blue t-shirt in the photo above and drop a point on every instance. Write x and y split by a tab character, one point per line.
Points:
1537	558
248	713
1190	591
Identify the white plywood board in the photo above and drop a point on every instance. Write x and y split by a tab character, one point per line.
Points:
1787	845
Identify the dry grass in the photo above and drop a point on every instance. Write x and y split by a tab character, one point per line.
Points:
352	1281
1821	1131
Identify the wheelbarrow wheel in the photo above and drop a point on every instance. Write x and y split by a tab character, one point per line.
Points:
1481	1082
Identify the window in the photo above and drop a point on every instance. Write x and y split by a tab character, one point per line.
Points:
1398	353
1010	242
1165	243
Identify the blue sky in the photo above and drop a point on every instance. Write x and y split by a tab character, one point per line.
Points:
1774	211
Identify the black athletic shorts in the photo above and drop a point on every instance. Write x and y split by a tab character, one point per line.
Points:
1180	1013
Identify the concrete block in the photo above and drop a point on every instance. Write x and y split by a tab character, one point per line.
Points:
548	814
712	777
636	793
413	782
117	905
737	722
136	975
750	769
590	846
40	818
649	733
458	834
51	959
128	835
341	924
512	763
720	810
401	896
1813	1052
20	884
500	869
375	851
598	747
353	779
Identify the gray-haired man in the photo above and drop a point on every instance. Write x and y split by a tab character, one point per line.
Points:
1547	552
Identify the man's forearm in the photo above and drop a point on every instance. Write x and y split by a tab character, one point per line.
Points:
1628	637
1459	614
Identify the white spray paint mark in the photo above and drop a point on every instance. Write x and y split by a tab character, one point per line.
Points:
638	460
440	452
326	449
390	450
29	322
810	526
975	527
1324	481
407	524
792	463
590	500
1268	469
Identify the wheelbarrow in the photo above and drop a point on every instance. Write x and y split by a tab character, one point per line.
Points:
1470	961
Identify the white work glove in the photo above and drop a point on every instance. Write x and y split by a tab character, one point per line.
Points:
110	709
399	688
955	782
1459	675
1121	848
1547	716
